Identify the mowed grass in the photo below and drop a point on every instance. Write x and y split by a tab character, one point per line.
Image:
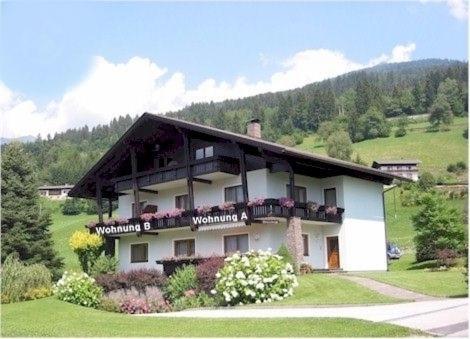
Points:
399	224
328	289
62	228
51	317
435	150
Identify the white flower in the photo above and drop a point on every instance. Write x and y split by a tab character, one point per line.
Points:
260	286
213	292
240	275
217	275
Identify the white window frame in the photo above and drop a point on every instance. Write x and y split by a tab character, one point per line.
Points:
235	234
181	239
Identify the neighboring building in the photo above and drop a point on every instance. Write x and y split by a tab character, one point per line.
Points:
402	168
166	165
55	192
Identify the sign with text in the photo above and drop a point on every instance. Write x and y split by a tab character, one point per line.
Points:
217	219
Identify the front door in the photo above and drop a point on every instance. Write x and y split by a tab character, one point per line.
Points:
333	252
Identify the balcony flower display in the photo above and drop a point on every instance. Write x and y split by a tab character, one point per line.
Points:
121	221
331	210
92	224
313	206
175	213
147	216
203	210
256	202
159	215
286	202
227	206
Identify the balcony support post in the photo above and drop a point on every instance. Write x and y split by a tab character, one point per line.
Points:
110	208
242	160
291	187
99	200
135	186
189	181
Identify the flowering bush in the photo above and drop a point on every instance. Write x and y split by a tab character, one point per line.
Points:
87	246
256	202
92	224
206	272
193	300
204	209
135	305
175	213
133	301
78	288
116	222
227	206
147	216
286	202
255	277
331	210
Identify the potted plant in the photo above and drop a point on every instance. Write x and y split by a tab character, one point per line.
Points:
331	210
312	206
203	210
227	207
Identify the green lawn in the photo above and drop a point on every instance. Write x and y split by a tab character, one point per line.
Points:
440	284
62	228
326	289
51	317
434	150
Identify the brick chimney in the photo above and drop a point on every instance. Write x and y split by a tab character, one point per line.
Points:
253	128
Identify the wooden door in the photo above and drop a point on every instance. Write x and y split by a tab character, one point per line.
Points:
333	252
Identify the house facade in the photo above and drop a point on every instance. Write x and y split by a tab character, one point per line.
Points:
187	190
58	192
405	168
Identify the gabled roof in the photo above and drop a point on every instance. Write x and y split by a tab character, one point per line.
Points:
280	150
50	187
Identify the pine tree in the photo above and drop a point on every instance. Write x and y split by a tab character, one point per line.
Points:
451	91
25	227
440	113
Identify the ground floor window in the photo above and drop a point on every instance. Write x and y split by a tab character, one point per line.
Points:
234	243
234	194
139	252
305	244
184	248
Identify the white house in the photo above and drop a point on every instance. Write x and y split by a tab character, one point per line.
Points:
58	192
406	168
187	190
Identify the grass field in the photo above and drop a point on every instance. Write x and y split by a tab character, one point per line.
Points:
434	150
62	228
33	318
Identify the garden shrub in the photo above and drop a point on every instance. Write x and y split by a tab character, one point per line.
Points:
284	252
78	288
139	279
305	268
18	280
446	257
72	207
156	300
132	301
105	264
109	304
182	280
38	293
88	247
255	277
426	181
135	305
206	272
193	301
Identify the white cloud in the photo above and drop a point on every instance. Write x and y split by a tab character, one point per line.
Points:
140	85
457	8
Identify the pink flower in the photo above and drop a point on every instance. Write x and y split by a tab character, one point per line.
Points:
91	224
286	202
147	216
203	209
227	206
333	210
256	202
190	293
159	215
177	212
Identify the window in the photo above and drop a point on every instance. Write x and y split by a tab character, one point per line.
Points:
330	196
142	206
234	194
184	248
234	243
182	202
300	193
305	243
205	152
139	252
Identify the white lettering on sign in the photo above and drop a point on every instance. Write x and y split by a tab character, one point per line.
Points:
103	230
219	218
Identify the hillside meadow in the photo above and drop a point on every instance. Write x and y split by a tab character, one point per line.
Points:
435	150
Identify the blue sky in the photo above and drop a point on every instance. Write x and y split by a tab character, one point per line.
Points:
49	51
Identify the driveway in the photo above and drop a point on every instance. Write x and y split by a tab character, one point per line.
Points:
445	317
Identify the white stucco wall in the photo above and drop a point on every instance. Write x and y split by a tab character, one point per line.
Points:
361	236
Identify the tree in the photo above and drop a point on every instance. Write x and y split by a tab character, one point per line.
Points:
373	124
402	123
72	207
426	181
339	146
451	91
438	227
25	226
440	113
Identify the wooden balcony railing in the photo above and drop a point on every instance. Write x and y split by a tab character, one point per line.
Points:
270	208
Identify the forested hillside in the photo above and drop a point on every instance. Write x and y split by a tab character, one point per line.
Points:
357	103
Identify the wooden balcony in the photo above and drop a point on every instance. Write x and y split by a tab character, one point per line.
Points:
271	208
167	174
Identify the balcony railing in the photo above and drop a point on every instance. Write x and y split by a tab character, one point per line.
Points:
172	173
269	208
